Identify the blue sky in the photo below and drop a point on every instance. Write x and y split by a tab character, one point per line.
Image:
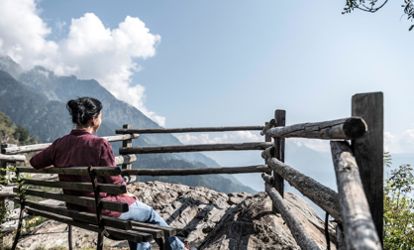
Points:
234	62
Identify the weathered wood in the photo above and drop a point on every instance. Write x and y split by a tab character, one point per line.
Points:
119	233
340	242
321	195
81	216
368	151
187	130
358	226
168	231
268	179
196	148
78	186
197	171
100	171
279	150
12	158
39	147
126	144
78	200
125	159
346	128
115	138
296	228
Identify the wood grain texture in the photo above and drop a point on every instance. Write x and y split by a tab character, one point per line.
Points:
358	226
346	128
369	150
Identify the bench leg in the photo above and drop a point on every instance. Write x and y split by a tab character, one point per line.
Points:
70	236
19	227
99	246
163	244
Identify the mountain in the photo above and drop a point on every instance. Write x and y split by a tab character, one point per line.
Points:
36	100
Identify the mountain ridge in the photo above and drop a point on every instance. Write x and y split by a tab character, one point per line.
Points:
36	100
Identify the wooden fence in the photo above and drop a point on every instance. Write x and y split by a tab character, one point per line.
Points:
357	153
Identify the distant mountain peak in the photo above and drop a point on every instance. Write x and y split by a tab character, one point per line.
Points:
9	65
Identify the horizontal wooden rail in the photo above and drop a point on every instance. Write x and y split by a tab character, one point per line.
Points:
100	171
125	159
321	195
187	130
196	147
298	231
346	128
12	158
39	147
359	229
198	171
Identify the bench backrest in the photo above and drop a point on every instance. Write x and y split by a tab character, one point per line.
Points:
38	197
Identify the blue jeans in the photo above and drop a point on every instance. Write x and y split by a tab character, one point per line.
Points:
139	211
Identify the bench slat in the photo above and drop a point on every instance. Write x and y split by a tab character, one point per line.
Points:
100	171
78	200
168	231
81	216
114	232
78	186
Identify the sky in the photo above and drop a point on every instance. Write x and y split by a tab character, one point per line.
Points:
223	63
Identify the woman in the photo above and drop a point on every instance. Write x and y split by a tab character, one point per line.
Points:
81	147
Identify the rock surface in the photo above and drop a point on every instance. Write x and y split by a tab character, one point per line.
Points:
209	220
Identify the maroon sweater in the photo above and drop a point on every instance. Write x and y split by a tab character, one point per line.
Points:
80	148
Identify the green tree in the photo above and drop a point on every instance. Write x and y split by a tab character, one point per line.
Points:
375	5
399	208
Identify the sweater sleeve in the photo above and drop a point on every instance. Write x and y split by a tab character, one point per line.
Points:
45	158
107	159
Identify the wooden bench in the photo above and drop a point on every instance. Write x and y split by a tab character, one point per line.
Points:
31	191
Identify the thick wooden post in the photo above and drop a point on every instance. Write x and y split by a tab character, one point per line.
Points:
369	150
3	173
279	145
126	144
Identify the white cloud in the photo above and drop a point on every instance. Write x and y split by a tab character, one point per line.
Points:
90	50
316	145
228	137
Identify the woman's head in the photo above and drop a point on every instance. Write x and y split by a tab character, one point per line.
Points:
85	112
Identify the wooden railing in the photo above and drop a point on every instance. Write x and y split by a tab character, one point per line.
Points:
356	145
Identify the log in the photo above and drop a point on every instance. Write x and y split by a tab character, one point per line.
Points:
296	228
100	171
196	148
346	128
279	150
321	195
126	144
126	137
197	171
358	226
39	147
12	158
78	186
368	151
186	130
125	159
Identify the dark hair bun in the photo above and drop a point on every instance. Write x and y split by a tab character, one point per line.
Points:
83	109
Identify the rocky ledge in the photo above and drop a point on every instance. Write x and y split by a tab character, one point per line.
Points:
208	219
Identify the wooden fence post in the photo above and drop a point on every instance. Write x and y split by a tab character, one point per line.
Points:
369	150
279	145
126	144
